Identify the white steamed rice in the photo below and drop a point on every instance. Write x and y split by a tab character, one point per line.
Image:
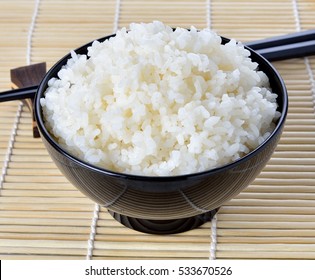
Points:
158	102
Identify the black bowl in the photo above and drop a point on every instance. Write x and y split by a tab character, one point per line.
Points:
164	204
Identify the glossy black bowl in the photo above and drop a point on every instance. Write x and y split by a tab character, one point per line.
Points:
164	204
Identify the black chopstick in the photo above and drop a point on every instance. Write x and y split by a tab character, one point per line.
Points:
287	39
295	50
20	93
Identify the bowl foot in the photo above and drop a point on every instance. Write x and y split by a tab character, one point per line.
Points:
164	226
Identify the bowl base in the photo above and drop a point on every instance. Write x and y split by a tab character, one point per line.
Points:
164	226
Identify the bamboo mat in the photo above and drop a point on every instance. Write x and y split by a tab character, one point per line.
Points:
42	216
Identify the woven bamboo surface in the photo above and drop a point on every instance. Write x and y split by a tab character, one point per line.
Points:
42	216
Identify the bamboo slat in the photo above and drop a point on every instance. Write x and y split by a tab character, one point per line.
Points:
42	216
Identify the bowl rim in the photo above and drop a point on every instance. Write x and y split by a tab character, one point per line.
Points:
83	50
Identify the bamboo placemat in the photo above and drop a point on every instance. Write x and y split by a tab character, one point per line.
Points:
42	216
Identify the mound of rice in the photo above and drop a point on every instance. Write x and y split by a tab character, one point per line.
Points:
158	102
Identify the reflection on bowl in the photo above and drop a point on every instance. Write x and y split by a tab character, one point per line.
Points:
164	204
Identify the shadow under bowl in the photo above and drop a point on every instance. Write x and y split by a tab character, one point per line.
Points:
164	205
